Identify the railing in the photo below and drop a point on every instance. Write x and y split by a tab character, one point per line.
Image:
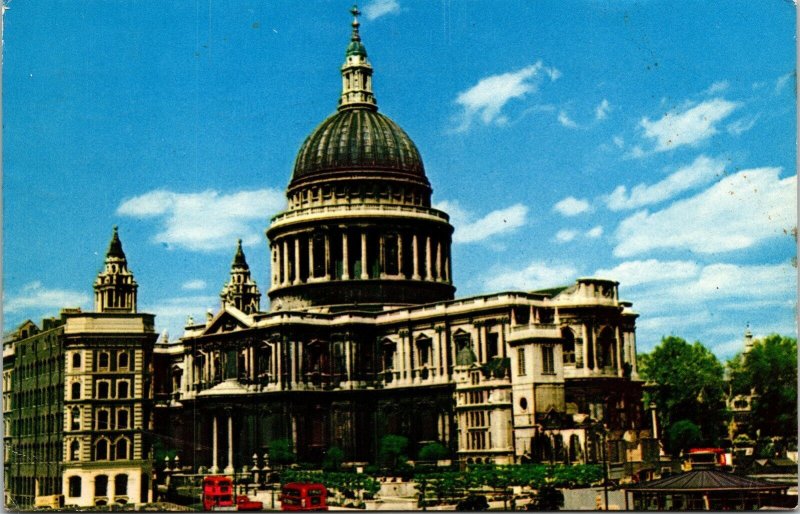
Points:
358	207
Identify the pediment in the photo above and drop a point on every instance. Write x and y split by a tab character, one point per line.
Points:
228	319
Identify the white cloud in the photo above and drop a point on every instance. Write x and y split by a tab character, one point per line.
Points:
666	324
717	87
782	81
565	120
565	236
537	275
595	232
206	221
571	206
487	98
700	172
194	285
602	110
635	153
35	300
634	273
687	127
742	125
619	142
737	212
498	222
725	281
378	8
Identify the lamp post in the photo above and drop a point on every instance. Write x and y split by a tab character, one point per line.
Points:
605	467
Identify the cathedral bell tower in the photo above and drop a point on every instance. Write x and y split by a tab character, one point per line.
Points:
114	287
241	291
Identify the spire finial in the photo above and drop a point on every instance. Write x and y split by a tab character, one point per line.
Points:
115	246
356	13
239	260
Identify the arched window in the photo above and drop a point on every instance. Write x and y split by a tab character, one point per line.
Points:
102	390
74	487
122	419
101	485
76	391
102	361
102	420
101	450
123	360
122	389
121	485
76	361
74	450
75	419
122	449
568	346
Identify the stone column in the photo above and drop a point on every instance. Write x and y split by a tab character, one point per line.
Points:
435	348
327	257
585	335
189	371
483	333
300	369
111	488
277	356
214	444
345	257
364	271
285	262
382	254
502	339
310	256
439	261
400	254
229	467
428	259
290	350
407	356
415	250
251	361
618	348
348	358
275	266
297	259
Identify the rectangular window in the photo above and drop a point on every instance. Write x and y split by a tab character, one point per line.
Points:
521	362
548	362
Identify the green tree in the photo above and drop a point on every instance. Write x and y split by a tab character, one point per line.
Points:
686	384
433	452
683	435
392	451
333	459
281	452
770	371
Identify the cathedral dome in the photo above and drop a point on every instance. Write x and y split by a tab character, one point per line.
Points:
358	138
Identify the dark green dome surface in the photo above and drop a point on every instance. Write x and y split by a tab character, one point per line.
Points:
358	139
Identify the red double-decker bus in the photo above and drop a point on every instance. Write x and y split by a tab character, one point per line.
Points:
218	493
304	496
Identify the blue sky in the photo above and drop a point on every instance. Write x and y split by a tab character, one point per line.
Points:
649	142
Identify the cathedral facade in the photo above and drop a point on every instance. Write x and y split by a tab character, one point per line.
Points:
363	336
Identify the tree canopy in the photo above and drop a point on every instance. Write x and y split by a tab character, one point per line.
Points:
769	370
686	382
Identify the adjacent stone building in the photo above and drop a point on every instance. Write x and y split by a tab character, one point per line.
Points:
364	338
78	400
